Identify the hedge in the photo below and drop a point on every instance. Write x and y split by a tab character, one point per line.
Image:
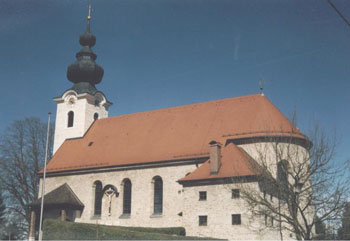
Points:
171	231
58	230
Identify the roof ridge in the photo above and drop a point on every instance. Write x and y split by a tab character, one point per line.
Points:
182	106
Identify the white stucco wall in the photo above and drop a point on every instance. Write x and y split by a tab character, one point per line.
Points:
142	195
84	109
268	154
219	207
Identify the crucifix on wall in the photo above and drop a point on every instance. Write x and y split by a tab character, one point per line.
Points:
110	191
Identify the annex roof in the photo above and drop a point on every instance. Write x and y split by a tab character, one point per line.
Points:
61	196
235	162
181	132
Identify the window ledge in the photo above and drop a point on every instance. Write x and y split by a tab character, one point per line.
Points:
156	215
125	216
96	217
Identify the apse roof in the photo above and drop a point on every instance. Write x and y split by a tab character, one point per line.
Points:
180	132
235	162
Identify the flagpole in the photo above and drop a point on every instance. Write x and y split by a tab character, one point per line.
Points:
44	177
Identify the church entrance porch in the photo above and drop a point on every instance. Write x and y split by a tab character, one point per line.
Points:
61	203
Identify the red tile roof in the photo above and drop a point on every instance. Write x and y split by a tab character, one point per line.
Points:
173	133
235	162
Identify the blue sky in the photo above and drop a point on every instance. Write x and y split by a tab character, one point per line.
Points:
163	53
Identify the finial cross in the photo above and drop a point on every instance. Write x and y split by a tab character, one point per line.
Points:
261	84
89	16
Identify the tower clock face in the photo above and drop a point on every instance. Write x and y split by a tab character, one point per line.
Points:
97	101
71	101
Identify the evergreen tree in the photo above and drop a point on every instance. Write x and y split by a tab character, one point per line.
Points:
344	231
10	232
2	211
320	229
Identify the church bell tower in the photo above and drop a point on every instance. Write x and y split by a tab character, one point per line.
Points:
82	104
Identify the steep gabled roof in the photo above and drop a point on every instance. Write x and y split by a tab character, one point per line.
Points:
173	133
235	162
61	196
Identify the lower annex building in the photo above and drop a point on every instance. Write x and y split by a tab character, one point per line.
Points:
175	167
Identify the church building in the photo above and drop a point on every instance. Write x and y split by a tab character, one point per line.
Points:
181	166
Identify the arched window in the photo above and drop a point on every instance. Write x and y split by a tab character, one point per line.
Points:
95	116
127	197
70	118
158	195
98	198
282	173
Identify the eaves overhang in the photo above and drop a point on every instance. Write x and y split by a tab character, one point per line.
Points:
219	181
125	167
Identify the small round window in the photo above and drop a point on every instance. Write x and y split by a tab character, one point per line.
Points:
95	116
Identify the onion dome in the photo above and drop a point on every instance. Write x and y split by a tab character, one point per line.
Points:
85	69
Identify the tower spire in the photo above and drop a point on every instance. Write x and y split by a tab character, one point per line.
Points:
84	72
80	105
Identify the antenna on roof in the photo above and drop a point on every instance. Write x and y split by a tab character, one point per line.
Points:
261	84
339	13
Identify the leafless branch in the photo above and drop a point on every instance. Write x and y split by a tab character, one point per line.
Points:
305	183
22	149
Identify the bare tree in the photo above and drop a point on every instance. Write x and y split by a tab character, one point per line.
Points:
22	150
297	180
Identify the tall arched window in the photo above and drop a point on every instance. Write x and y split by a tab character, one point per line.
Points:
158	195
98	198
282	173
70	118
127	197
